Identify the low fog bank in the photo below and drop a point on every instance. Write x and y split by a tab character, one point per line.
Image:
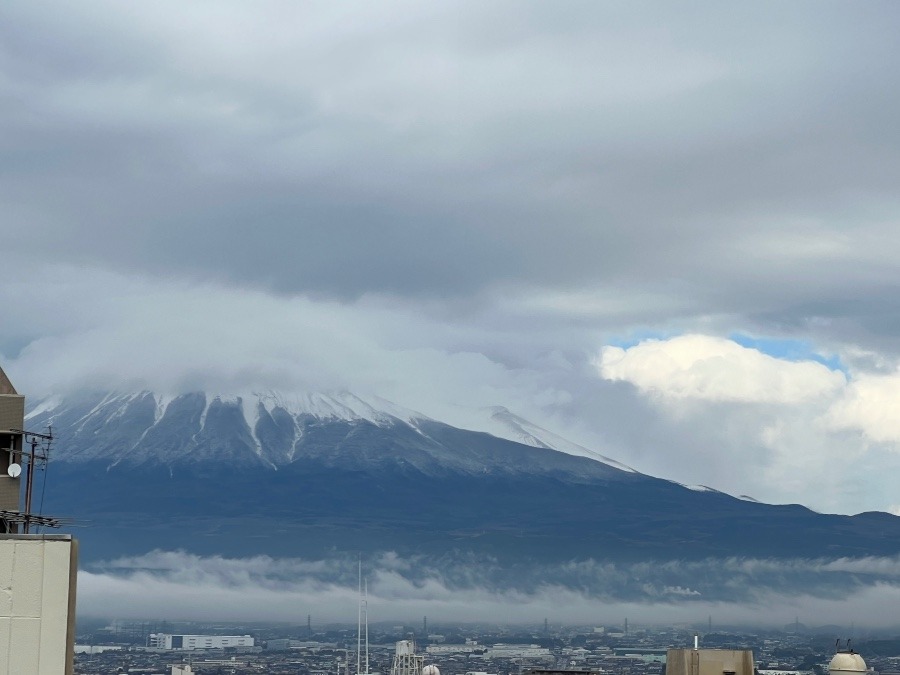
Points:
180	586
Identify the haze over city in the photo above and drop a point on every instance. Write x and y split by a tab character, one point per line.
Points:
667	234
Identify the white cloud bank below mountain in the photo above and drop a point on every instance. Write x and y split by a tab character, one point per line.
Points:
180	586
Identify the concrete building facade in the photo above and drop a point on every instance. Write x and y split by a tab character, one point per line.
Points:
37	571
37	604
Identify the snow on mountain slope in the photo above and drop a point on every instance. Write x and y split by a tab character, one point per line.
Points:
335	406
505	424
276	429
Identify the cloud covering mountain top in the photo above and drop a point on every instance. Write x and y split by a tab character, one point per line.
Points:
474	204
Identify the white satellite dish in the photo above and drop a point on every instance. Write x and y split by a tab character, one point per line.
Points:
14	470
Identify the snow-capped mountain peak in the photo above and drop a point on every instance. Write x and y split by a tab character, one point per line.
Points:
278	429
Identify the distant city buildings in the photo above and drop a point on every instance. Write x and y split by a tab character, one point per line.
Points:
572	651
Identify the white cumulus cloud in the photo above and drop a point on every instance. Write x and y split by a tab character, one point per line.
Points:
871	404
747	422
716	369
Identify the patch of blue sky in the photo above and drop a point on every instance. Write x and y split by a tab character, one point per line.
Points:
789	350
781	348
639	336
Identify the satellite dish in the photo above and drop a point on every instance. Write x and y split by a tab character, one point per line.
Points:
14	470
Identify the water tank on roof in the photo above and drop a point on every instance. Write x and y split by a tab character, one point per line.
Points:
847	663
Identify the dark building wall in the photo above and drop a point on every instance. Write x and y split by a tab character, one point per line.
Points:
12	416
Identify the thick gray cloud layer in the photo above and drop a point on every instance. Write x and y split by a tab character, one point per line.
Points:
451	203
743	591
453	147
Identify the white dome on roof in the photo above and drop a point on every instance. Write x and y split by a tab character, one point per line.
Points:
846	662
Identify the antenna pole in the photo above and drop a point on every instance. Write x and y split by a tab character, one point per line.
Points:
367	624
34	439
359	615
29	483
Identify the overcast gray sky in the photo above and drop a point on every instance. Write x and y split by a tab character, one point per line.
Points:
666	232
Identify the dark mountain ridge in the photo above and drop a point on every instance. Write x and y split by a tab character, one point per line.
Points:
261	476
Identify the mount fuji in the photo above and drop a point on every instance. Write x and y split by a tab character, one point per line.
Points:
313	474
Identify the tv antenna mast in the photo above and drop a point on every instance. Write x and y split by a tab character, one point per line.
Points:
38	455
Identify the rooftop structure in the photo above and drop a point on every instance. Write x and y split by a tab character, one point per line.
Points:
846	662
12	419
709	662
406	661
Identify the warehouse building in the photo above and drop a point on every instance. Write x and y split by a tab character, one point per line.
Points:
191	642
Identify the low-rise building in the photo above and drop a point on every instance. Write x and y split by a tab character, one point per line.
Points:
504	651
191	642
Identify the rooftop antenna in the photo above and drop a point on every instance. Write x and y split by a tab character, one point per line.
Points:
359	615
37	454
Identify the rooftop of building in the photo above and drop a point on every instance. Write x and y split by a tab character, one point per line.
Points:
6	387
